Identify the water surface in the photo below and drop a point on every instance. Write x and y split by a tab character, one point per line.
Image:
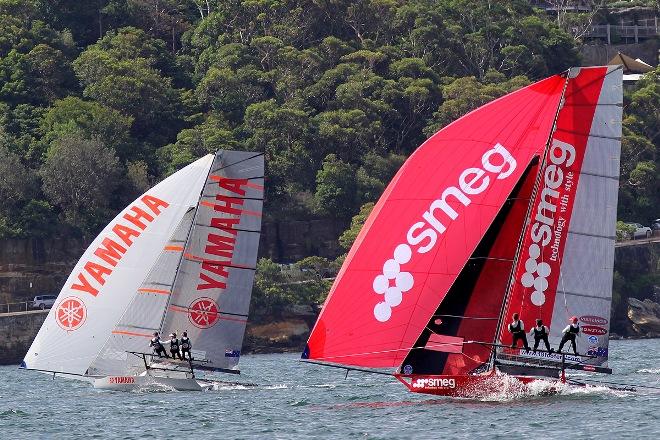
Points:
294	400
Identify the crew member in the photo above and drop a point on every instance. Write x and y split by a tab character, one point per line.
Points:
517	329
186	346
174	346
157	346
541	334
570	334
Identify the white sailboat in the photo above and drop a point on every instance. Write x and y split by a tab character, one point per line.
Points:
181	257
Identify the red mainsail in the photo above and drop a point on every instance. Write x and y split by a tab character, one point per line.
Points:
536	276
428	224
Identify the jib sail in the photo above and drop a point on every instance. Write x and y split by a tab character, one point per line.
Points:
427	225
566	263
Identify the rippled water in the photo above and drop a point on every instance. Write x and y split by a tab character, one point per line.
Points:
294	400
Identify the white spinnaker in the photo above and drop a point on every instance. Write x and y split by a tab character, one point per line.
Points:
585	282
144	314
72	336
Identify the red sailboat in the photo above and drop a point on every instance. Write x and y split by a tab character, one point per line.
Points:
511	208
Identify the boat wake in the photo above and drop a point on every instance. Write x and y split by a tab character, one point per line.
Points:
649	371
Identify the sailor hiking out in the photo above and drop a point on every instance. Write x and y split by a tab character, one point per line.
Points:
540	333
174	346
186	346
570	334
157	346
517	329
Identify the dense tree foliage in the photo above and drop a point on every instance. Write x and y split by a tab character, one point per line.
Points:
99	100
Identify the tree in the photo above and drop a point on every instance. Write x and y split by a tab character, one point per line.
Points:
79	175
347	238
335	188
91	119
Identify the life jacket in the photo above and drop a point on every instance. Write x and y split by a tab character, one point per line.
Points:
185	343
174	344
574	330
517	328
540	333
155	342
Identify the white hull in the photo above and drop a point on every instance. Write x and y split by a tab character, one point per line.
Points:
129	383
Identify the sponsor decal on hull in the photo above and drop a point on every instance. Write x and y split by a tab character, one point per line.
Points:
593	330
434	383
121	379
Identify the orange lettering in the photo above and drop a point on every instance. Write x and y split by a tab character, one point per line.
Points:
216	268
233	185
226	204
220	245
97	271
84	286
153	203
226	224
125	233
136	219
210	283
110	251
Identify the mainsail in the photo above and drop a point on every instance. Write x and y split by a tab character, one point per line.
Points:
181	257
427	225
441	260
566	264
211	296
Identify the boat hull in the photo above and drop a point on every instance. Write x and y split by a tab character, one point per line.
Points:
130	383
476	386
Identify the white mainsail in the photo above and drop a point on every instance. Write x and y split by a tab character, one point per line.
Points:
109	273
211	295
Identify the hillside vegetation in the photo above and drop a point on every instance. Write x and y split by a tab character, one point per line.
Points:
100	100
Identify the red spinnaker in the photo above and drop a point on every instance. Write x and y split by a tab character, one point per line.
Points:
427	224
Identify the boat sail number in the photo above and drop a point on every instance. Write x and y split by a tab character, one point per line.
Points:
424	234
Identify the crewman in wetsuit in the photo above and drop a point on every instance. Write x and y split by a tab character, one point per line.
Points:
570	334
541	334
157	346
517	329
174	346
186	346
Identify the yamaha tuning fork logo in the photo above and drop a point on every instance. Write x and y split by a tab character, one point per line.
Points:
497	163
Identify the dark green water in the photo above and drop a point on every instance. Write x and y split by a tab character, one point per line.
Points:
299	401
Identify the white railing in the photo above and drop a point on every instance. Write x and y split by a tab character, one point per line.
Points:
633	32
14	307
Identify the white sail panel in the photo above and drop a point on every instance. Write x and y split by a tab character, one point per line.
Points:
585	283
110	271
144	314
211	296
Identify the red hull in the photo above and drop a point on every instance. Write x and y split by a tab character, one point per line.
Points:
476	386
